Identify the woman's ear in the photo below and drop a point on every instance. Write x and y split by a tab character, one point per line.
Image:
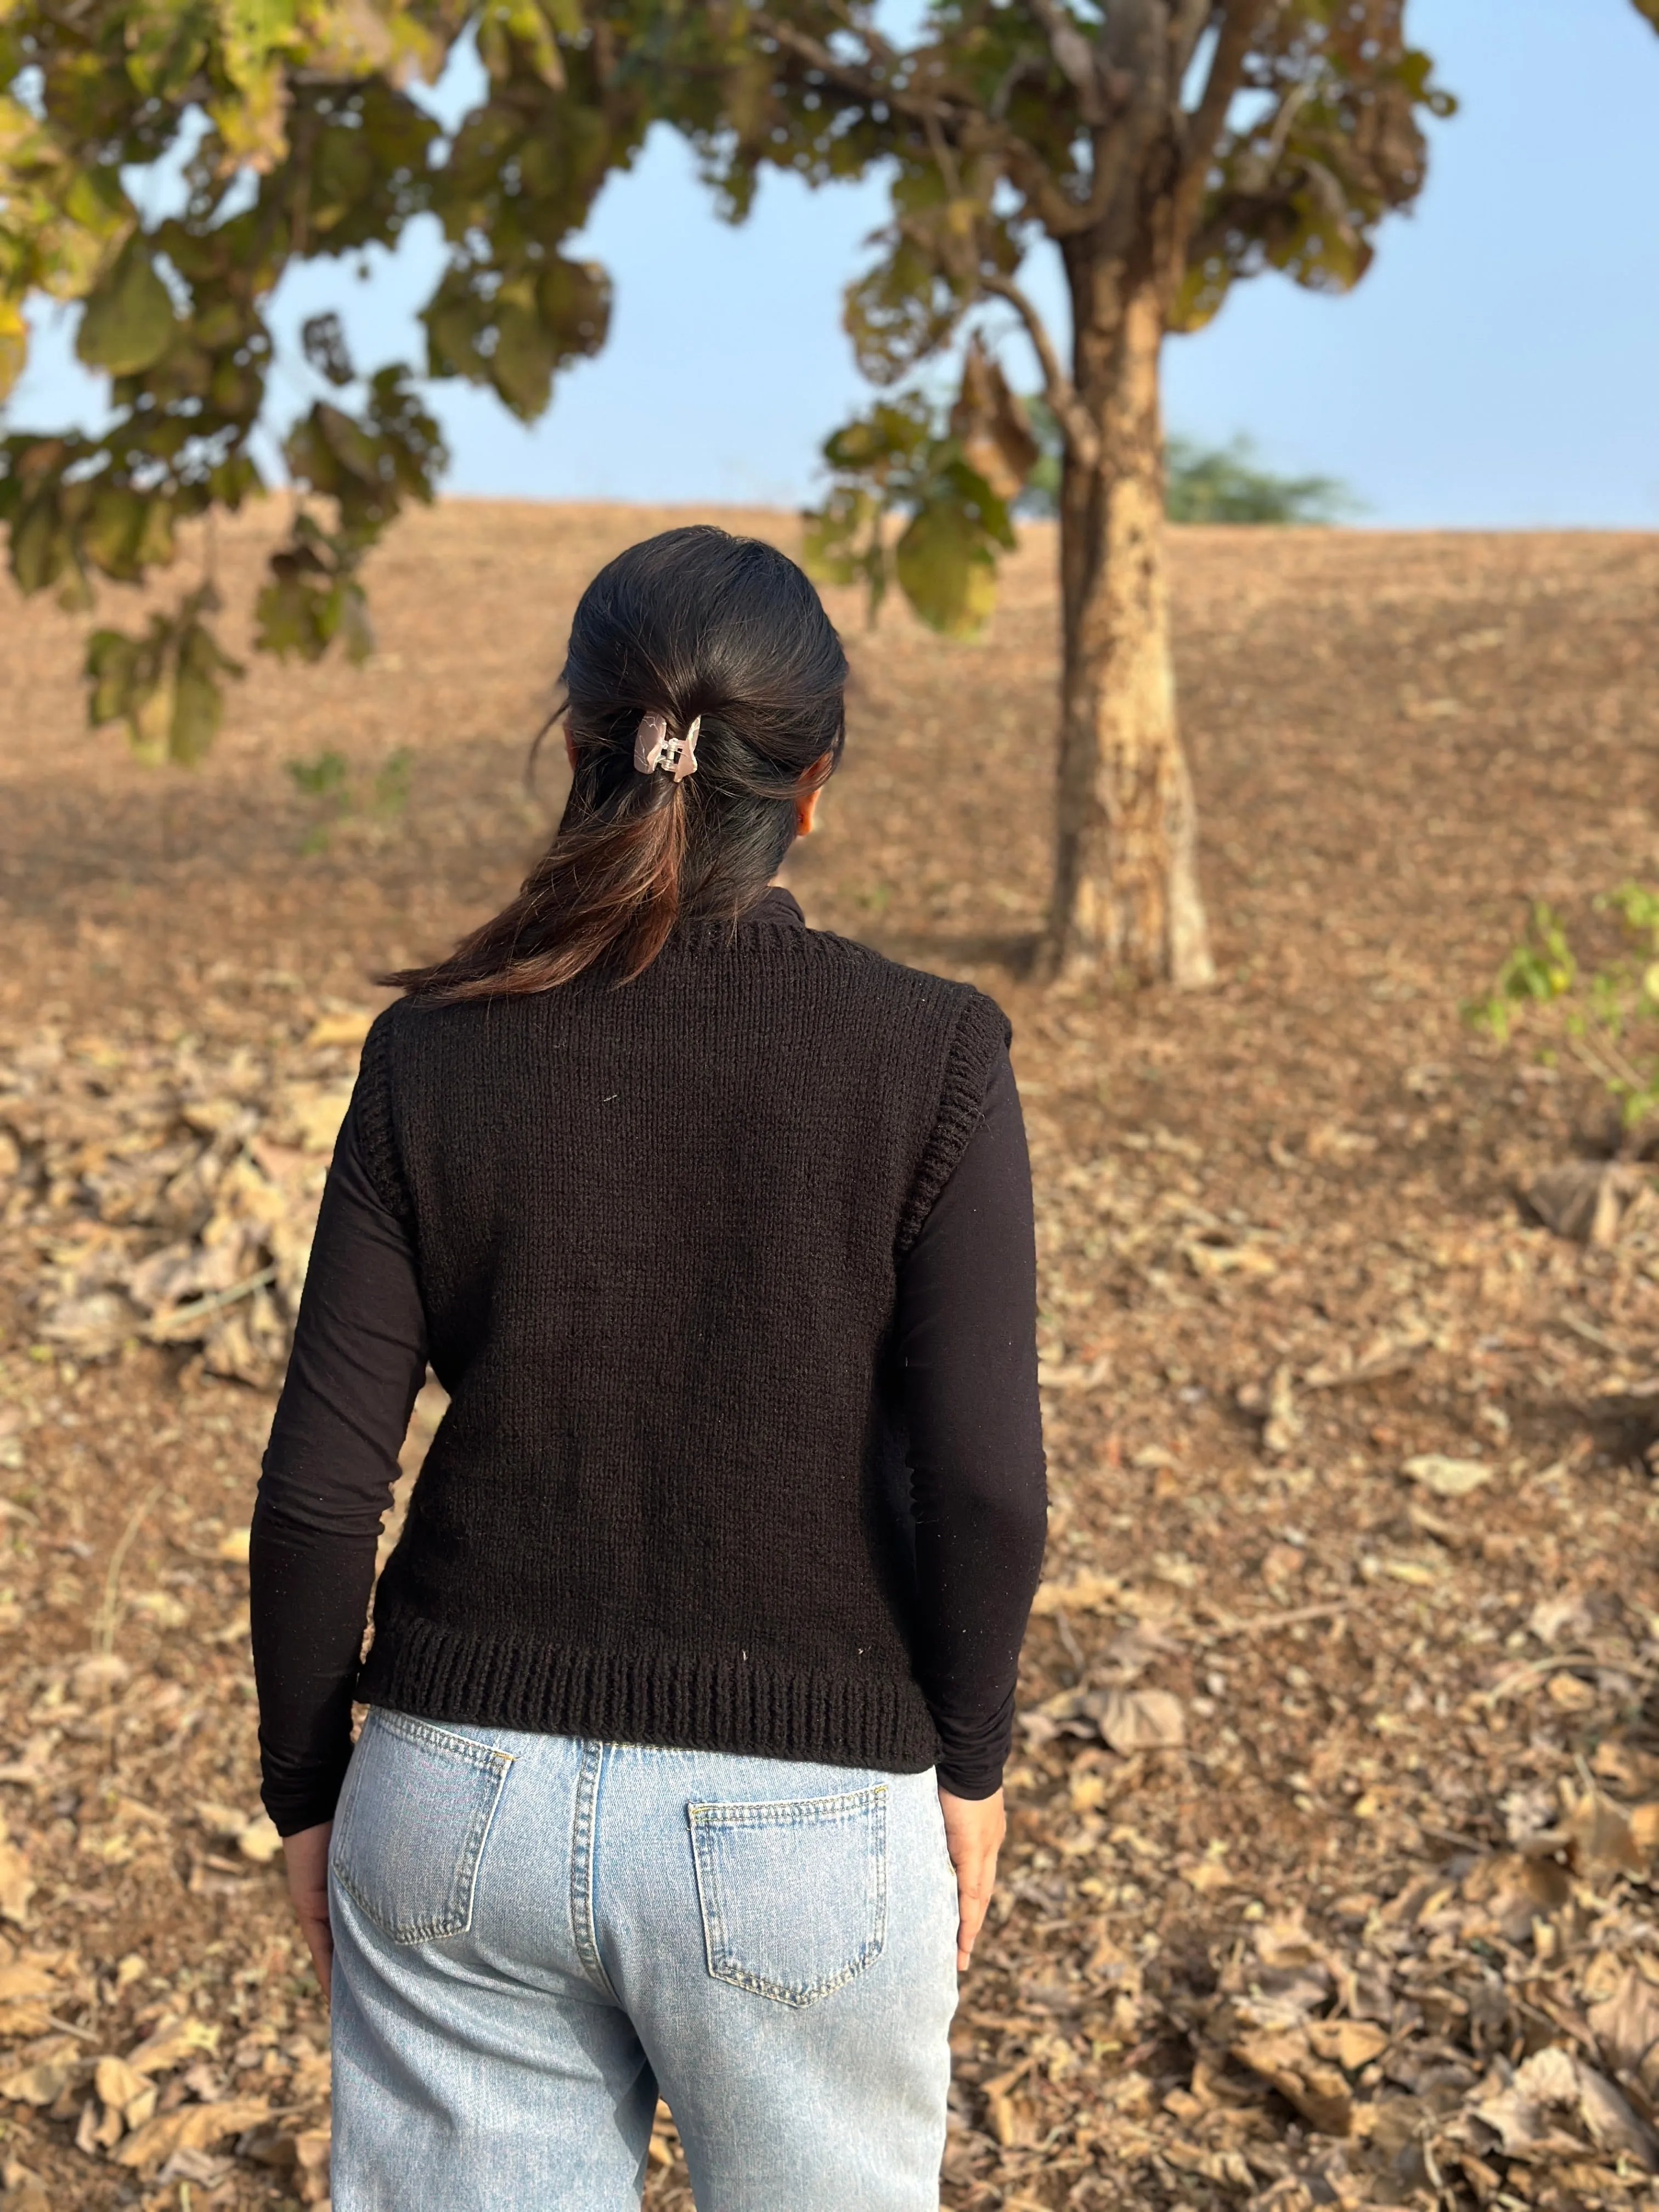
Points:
807	802
570	749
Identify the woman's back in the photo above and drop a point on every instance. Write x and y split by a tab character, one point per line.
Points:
660	1230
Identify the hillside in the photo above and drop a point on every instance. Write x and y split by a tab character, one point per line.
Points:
1337	1785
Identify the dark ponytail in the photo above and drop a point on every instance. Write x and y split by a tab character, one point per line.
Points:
695	623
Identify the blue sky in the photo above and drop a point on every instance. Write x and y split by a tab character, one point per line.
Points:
1496	368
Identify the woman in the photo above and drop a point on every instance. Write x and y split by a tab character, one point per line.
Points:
692	1672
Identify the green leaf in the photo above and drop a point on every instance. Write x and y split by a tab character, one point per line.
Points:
255	36
285	616
836	539
149	723
522	368
323	340
573	300
901	311
959	480
14	343
844	543
314	598
507	29
130	683
166	685
235	389
198	708
110	534
309	458
350	443
893	431
343	176
165	47
39	545
231	481
453	326
112	664
129	321
947	570
353	626
409	437
220	323
74	594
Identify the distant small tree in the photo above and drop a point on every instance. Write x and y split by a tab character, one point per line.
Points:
1226	483
1201	484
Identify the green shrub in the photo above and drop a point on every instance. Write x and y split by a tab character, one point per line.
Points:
1216	483
326	780
1605	1017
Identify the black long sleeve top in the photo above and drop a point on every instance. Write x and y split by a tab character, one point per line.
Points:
967	1376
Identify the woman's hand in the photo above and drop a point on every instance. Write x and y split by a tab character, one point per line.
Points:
974	1829
306	1856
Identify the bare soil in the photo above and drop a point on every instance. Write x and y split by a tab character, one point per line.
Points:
1336	1794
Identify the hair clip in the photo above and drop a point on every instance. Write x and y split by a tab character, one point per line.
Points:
653	748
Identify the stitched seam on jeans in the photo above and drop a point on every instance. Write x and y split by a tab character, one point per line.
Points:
799	1994
879	1852
464	1890
708	1901
584	1831
789	1813
403	1931
457	1746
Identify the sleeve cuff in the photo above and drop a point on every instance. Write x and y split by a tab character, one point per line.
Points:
973	1784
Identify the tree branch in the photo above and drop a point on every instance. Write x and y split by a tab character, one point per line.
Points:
1133	61
1186	30
858	78
862	27
1208	120
1081	439
1129	32
1054	211
1253	172
1074	56
944	155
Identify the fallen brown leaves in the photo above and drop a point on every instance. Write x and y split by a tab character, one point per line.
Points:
173	1193
1330	1876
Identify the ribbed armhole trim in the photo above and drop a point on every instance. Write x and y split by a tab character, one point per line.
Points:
982	1031
371	1108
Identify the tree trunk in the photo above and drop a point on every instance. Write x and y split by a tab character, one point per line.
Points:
1126	885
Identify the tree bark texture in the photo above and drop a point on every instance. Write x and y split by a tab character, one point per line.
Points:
1127	895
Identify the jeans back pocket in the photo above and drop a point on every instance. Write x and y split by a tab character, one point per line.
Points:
793	1895
414	1817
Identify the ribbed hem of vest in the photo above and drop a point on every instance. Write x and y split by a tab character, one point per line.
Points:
680	1701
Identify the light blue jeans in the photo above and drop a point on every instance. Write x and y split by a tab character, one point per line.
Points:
535	1935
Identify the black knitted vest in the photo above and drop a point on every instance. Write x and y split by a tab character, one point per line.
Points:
657	1229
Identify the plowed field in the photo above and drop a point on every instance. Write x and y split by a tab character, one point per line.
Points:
1336	1793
